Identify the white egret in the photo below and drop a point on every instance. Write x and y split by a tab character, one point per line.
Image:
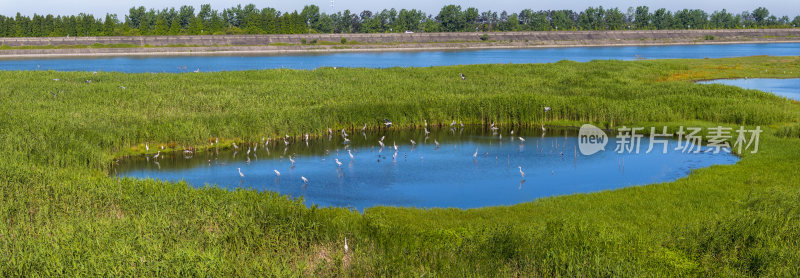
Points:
395	146
521	172
522	139
240	172
476	153
277	173
345	245
383	137
146	147
350	153
380	143
436	142
364	128
427	132
413	142
157	155
305	180
235	146
338	163
344	134
291	160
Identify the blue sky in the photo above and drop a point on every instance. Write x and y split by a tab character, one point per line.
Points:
96	7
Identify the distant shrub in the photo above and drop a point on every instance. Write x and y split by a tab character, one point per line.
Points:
709	37
303	41
344	40
314	41
485	37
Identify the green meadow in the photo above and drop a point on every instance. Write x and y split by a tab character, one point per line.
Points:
63	212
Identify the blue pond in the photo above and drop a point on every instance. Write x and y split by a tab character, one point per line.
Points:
788	88
397	59
424	175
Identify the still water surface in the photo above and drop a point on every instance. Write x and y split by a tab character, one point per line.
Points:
398	58
788	88
424	175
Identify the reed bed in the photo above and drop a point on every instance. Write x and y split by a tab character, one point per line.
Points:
62	214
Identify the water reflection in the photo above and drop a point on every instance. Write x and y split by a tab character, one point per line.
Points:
450	167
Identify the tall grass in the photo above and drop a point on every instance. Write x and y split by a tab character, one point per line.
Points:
61	214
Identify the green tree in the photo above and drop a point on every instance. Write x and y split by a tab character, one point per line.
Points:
135	16
310	15
196	26
662	19
161	28
175	27
205	14
325	24
185	16
642	19
760	14
615	19
471	16
561	20
109	24
451	18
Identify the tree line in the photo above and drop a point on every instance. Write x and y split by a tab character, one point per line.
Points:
451	18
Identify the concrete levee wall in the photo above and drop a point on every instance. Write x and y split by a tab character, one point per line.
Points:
546	36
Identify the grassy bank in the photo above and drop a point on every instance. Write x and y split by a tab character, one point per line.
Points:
61	214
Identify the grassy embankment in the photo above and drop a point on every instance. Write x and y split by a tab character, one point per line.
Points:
60	212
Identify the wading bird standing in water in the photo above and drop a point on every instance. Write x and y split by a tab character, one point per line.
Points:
277	173
338	163
521	172
475	155
546	109
305	180
240	172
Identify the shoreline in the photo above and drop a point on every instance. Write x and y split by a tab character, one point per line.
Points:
270	50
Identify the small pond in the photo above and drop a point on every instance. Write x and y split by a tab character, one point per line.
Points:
788	88
470	167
